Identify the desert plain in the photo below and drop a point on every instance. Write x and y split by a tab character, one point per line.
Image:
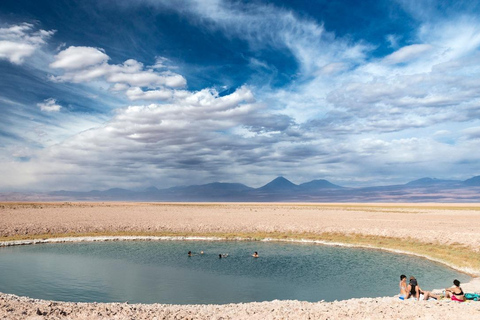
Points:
448	233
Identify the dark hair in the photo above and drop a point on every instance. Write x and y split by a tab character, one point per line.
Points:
456	282
220	256
413	281
402	277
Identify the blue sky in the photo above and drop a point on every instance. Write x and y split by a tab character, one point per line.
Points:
101	94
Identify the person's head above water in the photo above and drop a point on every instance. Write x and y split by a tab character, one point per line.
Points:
220	256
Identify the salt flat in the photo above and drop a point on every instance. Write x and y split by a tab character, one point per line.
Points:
443	223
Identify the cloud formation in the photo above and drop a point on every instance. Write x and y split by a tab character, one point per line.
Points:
199	134
87	64
349	111
74	58
18	42
49	105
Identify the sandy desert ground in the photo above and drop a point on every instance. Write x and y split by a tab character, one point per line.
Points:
450	225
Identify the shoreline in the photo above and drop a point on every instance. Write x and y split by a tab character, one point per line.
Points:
361	308
450	233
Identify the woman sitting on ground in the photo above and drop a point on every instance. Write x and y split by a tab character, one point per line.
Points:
414	290
455	293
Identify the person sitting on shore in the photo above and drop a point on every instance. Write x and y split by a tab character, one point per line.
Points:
414	290
403	287
455	293
255	254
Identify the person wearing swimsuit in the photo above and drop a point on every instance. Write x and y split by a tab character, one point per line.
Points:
413	290
403	287
455	293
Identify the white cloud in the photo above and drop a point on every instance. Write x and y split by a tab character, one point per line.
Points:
408	53
333	68
160	63
49	105
472	133
136	93
442	133
79	57
18	42
393	40
87	64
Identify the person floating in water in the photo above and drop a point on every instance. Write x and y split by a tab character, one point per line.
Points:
255	254
220	256
190	253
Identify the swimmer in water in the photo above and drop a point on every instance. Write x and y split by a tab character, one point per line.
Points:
190	253
255	254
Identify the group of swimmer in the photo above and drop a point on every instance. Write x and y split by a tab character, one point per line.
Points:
413	290
221	255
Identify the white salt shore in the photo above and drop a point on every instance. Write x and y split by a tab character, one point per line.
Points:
14	307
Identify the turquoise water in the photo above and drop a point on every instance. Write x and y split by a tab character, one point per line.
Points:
161	272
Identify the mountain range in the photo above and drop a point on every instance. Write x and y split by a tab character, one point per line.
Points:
278	190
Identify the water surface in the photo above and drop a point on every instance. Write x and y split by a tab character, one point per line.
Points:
161	272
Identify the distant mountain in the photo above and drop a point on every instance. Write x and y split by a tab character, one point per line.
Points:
279	184
318	184
117	191
215	188
431	182
282	190
151	189
475	181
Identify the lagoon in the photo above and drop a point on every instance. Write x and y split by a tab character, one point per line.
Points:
162	272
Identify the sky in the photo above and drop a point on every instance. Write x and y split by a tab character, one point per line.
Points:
96	94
